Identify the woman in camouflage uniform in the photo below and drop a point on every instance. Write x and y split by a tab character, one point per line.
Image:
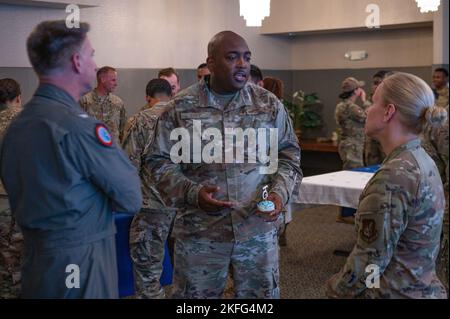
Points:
399	218
351	118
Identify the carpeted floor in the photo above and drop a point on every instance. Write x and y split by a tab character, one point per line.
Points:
308	260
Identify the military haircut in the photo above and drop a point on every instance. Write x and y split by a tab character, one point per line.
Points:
9	90
202	66
382	74
168	72
51	44
104	70
156	86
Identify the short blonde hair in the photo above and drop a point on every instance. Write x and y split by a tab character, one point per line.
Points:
414	100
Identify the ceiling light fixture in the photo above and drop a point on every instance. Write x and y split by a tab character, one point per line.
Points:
254	11
428	5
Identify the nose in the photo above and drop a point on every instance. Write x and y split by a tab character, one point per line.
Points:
241	62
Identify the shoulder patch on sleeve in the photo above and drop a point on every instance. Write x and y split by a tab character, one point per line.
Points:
103	135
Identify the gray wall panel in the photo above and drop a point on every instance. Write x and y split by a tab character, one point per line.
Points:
326	83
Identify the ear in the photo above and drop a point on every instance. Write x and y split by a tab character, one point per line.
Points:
210	62
19	99
389	112
76	62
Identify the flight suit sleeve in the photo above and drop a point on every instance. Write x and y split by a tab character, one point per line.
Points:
107	167
289	173
176	189
380	221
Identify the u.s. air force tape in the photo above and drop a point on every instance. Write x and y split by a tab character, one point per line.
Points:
103	135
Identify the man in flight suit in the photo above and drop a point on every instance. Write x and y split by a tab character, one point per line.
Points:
64	174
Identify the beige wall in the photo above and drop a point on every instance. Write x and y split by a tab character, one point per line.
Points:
320	15
146	33
387	48
151	34
440	39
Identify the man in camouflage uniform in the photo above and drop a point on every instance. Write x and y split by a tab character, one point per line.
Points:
435	142
440	82
150	227
11	239
171	76
101	104
218	224
351	118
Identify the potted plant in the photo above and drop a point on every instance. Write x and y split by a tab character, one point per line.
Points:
301	111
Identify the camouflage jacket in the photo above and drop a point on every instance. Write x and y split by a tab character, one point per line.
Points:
442	97
6	116
435	142
108	109
138	137
398	225
196	114
351	119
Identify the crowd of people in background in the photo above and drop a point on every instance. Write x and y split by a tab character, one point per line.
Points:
64	173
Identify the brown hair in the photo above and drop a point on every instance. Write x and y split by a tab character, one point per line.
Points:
274	85
168	72
104	70
9	90
51	44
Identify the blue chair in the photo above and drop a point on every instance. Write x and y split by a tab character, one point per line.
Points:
124	262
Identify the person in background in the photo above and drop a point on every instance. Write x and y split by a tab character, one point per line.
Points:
171	76
150	228
435	142
275	86
256	76
440	83
373	154
350	118
103	105
399	217
65	174
11	239
157	91
202	70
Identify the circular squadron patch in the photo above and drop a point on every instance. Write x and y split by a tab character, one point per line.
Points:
103	135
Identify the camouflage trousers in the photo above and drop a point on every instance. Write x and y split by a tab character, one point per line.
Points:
201	267
373	153
351	152
11	249
148	234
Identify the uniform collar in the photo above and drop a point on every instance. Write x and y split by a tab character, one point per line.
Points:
99	98
413	144
55	93
206	98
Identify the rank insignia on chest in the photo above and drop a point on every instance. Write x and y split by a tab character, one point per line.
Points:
103	135
368	231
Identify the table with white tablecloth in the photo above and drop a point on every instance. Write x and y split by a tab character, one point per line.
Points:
341	188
